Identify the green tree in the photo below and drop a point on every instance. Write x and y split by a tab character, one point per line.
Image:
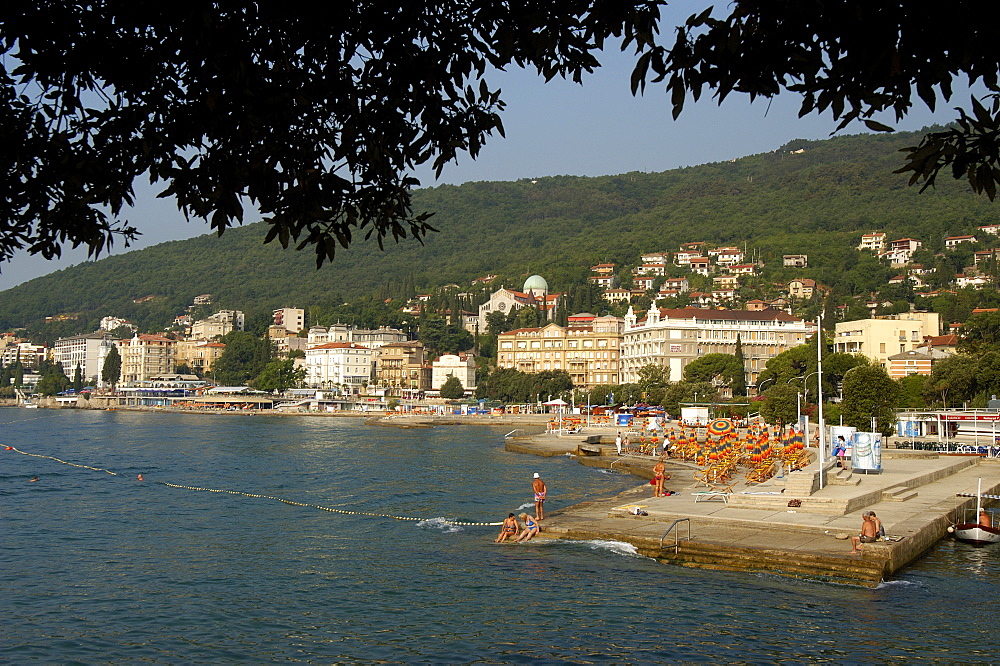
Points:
242	360
780	404
980	333
452	389
53	381
77	378
911	391
868	394
111	371
279	375
952	380
738	381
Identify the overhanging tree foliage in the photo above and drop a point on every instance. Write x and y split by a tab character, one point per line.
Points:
317	123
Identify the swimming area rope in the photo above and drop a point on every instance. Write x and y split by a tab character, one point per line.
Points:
328	509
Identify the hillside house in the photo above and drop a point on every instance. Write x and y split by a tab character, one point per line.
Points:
701	265
743	269
683	258
728	256
643	282
795	261
802	288
617	295
726	282
951	242
603	281
990	229
873	242
681	284
657	269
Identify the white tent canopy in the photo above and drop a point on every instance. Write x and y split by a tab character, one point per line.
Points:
558	402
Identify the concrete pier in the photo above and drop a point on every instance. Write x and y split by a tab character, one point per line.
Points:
754	529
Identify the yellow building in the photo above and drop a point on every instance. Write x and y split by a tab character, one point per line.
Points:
588	351
878	339
198	355
144	356
402	365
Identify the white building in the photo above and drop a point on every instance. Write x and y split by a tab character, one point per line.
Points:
674	338
221	323
462	366
292	320
88	351
111	323
339	364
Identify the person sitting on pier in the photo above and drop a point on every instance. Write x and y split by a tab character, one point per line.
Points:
868	533
531	527
508	529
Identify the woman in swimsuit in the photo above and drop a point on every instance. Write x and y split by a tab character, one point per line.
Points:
530	527
508	529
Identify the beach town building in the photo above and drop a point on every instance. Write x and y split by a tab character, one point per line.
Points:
344	365
802	288
617	295
87	351
908	363
674	338
144	356
680	284
990	229
951	242
882	337
588	352
198	355
657	269
292	320
873	242
402	366
700	265
534	294
684	257
644	283
727	256
29	354
111	323
795	261
372	338
221	323
603	281
460	366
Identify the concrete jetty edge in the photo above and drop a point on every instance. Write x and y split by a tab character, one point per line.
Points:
753	530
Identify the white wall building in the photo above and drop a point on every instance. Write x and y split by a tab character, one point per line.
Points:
88	351
292	320
674	338
462	366
221	323
339	364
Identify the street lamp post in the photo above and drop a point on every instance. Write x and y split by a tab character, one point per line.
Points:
819	389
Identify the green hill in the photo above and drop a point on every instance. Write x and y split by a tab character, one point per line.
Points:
815	202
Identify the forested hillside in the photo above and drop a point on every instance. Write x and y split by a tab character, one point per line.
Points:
816	202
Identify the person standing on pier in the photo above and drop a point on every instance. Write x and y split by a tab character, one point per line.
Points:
659	477
540	491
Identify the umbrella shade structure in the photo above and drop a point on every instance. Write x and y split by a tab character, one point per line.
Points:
720	427
558	402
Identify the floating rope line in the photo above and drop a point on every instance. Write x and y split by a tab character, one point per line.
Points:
267	497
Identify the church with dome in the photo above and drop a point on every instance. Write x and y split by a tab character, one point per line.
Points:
534	294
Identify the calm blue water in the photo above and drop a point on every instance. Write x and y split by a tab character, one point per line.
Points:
101	568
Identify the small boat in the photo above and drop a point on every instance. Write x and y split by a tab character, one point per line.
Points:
977	532
30	405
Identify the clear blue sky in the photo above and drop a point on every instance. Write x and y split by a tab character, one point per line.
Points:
562	128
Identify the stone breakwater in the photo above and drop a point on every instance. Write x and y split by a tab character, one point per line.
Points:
753	528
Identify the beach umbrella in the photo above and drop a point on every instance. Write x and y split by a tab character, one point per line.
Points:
720	427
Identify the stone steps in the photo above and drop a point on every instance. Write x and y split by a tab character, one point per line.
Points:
843	477
898	494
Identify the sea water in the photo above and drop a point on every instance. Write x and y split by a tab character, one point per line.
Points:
102	568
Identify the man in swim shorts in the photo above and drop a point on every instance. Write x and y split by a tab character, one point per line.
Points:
508	529
867	535
539	487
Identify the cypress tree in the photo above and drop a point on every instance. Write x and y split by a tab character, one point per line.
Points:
739	383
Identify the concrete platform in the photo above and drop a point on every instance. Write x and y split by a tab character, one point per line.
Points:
915	497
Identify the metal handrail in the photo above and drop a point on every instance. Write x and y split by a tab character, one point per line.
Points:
512	432
677	542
